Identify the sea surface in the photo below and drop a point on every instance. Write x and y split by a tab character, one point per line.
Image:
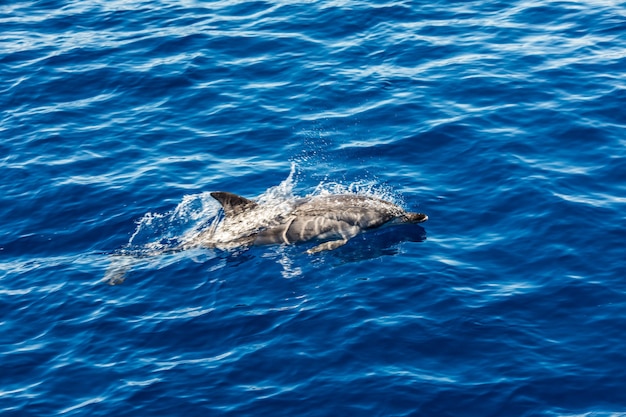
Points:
504	121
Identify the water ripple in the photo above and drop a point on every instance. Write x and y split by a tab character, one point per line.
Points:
504	121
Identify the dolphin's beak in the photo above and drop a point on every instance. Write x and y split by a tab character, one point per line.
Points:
415	217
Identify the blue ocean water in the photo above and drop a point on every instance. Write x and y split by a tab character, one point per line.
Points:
503	121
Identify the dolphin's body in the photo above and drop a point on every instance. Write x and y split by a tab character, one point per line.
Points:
331	219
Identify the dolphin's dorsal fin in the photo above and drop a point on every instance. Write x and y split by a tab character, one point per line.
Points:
233	204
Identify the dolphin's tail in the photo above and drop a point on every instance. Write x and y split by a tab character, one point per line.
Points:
119	266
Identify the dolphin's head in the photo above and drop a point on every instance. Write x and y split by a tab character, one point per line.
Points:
413	218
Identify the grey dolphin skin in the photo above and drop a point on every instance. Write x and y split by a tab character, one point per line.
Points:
332	219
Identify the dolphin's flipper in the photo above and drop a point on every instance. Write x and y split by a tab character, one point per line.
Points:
233	204
333	244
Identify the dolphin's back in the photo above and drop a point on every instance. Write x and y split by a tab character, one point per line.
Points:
330	217
357	210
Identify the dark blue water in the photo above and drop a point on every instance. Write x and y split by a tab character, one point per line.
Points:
504	121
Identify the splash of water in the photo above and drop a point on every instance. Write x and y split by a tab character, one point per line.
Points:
159	231
282	192
366	188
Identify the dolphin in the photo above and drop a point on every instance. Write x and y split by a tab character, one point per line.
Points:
331	219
